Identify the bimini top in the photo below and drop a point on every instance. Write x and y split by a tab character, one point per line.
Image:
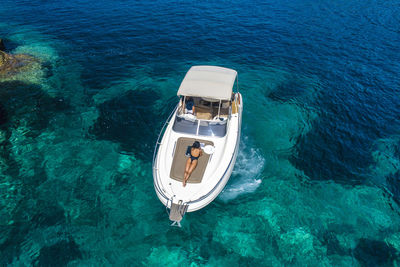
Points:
209	82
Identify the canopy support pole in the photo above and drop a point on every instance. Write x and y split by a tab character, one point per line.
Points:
184	104
219	108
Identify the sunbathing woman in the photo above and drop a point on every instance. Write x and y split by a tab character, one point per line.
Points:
191	163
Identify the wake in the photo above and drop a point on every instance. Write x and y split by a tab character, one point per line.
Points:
246	175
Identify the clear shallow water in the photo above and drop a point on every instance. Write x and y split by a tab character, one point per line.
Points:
316	181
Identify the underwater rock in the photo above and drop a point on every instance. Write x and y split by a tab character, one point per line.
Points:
3	138
375	253
393	184
2	46
27	106
288	90
3	115
59	254
133	120
13	64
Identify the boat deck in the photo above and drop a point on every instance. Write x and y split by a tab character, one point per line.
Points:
179	161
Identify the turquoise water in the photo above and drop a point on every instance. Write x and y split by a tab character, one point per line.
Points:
317	177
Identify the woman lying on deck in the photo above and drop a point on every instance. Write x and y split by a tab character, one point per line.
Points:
191	163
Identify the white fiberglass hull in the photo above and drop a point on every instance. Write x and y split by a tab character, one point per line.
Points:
216	175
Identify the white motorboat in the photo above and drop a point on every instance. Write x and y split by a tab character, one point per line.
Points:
215	123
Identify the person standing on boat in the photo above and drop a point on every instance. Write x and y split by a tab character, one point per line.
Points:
189	106
191	163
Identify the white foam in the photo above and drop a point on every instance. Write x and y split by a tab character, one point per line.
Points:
246	175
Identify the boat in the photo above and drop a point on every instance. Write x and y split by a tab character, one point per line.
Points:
216	124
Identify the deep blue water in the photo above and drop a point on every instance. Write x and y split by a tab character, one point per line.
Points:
317	177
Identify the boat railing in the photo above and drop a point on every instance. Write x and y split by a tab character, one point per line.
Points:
154	164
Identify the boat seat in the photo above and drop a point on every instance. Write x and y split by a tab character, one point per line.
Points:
189	117
203	113
235	107
223	113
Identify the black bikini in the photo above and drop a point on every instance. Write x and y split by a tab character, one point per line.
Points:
193	157
189	154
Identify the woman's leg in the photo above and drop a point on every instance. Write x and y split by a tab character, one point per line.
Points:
192	167
186	175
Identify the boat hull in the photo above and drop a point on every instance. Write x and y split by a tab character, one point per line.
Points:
170	191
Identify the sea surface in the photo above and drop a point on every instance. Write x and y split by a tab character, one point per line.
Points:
317	179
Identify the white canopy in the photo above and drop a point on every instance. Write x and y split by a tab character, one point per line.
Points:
209	82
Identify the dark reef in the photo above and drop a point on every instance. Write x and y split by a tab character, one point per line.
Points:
138	115
375	253
3	115
59	254
26	101
291	89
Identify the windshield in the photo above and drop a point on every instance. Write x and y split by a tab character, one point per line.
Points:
200	127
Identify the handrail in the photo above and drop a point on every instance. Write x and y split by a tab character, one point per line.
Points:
155	169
